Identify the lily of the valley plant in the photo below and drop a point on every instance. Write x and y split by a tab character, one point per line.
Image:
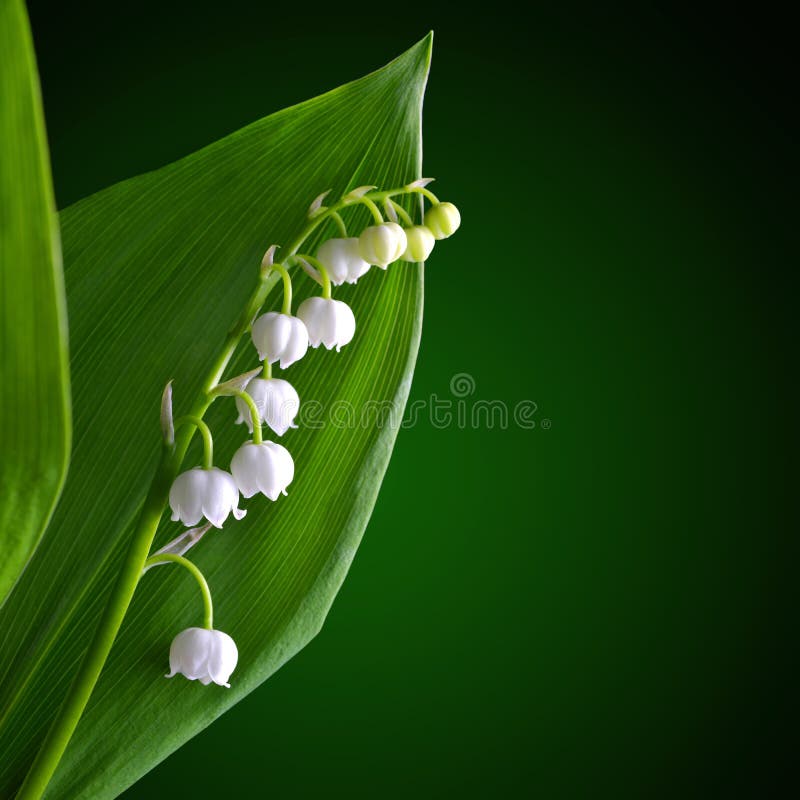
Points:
206	496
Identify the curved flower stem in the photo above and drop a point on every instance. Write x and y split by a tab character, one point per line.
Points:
326	279
205	432
208	606
426	193
373	209
401	211
255	417
66	720
337	218
287	287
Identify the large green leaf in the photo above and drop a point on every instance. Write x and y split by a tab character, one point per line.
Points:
157	270
34	370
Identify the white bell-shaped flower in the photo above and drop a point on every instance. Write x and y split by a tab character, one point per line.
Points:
203	655
382	244
442	220
329	322
209	493
342	260
265	467
277	403
419	244
279	337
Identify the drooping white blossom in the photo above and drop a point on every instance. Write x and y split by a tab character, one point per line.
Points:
279	337
419	244
382	244
209	493
203	655
277	403
442	220
342	260
265	467
329	322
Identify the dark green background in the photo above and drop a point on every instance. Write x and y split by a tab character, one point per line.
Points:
601	607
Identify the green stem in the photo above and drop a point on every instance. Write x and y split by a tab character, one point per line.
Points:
255	417
326	279
62	728
208	606
287	288
46	761
373	209
267	370
401	211
205	432
337	218
426	193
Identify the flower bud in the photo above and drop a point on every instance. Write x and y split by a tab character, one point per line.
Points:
420	242
209	493
203	655
266	467
329	322
277	403
342	260
382	244
279	336
442	220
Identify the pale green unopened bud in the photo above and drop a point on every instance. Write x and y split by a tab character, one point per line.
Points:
382	244
442	220
419	244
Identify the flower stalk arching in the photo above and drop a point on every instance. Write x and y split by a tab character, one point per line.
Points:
373	209
205	432
324	279
208	606
254	415
173	453
400	211
337	218
287	286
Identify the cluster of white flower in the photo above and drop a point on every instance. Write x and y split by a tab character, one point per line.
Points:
267	467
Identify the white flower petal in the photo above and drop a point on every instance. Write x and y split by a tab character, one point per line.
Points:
345	324
203	655
198	493
244	468
279	337
186	497
266	468
222	658
188	653
342	260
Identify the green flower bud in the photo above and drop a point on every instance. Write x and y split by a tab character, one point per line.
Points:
442	220
382	244
419	244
